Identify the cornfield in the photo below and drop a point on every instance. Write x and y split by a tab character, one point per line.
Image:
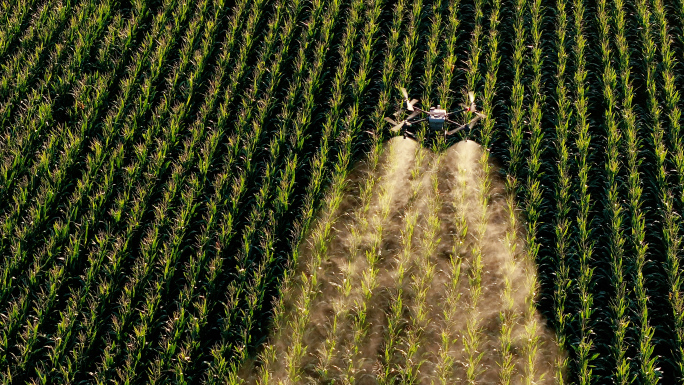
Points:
206	192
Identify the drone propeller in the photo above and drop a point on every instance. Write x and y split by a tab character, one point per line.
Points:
409	104
474	120
395	126
413	114
469	125
471	107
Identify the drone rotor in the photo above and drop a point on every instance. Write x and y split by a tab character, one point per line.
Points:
471	107
474	120
395	126
409	103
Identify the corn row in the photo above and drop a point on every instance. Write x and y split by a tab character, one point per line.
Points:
533	191
143	269
48	191
562	220
172	334
649	371
23	130
621	372
584	245
261	219
670	141
517	118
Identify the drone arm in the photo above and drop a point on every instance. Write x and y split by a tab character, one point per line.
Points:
417	121
458	112
457	129
419	110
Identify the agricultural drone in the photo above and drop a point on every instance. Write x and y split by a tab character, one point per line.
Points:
436	117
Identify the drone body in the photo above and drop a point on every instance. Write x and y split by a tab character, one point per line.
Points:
436	117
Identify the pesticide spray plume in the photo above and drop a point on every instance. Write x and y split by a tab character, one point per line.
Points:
422	233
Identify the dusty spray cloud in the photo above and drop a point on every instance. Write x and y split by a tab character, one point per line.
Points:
423	279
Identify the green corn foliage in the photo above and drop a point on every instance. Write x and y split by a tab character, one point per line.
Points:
21	141
450	58
226	222
255	285
60	235
171	339
161	164
451	308
471	336
172	253
369	283
23	65
15	16
649	372
506	315
102	295
622	372
534	188
517	99
669	140
583	244
331	346
46	183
